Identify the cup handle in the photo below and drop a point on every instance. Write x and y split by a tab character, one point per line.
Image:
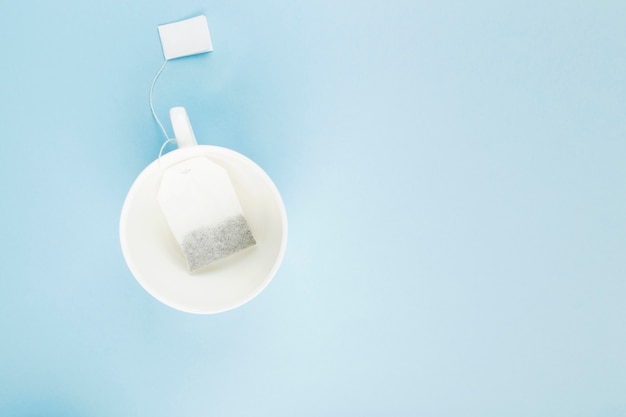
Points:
183	131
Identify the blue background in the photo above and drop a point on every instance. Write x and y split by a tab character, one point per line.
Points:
454	178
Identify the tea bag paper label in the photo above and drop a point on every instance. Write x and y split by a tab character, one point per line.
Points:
185	38
203	211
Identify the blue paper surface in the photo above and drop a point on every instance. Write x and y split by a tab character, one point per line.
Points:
454	178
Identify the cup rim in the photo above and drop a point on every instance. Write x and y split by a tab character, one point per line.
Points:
169	159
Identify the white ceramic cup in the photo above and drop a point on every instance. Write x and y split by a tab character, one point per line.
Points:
156	261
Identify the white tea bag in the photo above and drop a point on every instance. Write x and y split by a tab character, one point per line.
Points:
203	212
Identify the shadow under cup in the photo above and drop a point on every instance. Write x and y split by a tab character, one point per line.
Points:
156	261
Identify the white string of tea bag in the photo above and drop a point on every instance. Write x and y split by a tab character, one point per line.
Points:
168	139
156	118
178	40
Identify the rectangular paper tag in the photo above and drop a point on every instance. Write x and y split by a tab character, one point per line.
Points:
185	38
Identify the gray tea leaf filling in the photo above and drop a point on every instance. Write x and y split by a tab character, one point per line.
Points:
209	244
